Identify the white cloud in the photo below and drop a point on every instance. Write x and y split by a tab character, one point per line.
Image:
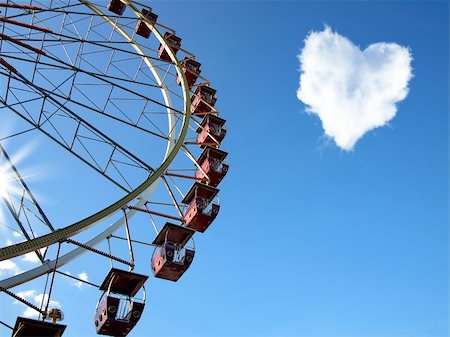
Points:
27	294
8	267
30	313
43	298
31	257
82	276
352	91
40	299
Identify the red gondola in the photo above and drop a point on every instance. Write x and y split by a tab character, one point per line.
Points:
202	100
211	131
173	41
212	163
116	6
201	211
171	257
26	327
141	27
117	310
191	69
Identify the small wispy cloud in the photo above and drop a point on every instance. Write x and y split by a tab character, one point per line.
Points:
352	91
31	257
43	298
30	313
9	268
83	276
39	300
26	295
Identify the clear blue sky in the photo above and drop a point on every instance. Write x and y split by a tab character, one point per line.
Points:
311	241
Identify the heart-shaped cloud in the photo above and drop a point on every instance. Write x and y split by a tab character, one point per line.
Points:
352	91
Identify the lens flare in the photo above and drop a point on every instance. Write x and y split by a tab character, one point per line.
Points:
6	183
10	184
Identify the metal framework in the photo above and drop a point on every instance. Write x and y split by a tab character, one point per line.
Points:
57	104
50	59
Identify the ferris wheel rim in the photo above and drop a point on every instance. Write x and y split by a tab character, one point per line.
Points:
174	146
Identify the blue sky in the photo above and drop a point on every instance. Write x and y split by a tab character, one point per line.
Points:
311	240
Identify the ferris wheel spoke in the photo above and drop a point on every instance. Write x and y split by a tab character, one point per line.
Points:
92	163
5	137
21	226
27	210
60	64
23	213
98	110
174	200
26	192
80	123
105	79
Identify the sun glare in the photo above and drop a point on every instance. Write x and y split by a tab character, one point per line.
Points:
10	186
6	182
9	183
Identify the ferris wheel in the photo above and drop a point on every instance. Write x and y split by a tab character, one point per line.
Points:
123	114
